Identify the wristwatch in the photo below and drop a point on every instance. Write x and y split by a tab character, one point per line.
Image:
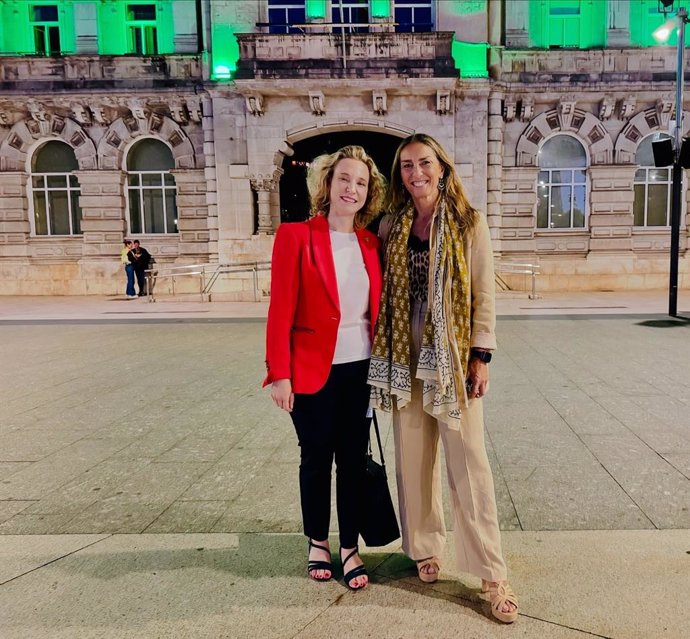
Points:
482	356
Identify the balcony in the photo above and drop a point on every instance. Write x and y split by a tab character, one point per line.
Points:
352	55
655	64
37	73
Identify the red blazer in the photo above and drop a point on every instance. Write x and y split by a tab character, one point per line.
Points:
304	313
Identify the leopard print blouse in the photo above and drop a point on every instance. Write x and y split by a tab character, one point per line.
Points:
418	267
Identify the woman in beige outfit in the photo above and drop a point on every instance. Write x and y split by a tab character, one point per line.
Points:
429	364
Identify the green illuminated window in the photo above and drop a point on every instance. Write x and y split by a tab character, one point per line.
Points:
559	24
46	29
645	17
142	30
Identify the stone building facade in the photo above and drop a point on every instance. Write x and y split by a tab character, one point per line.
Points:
183	127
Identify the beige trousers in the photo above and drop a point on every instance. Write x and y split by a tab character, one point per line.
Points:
418	471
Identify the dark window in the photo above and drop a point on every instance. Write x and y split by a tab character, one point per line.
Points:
55	191
282	14
142	32
141	12
413	15
151	188
46	29
351	12
45	13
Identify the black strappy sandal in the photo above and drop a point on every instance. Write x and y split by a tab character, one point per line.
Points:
359	571
319	565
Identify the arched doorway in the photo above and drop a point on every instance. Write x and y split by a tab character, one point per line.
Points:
294	199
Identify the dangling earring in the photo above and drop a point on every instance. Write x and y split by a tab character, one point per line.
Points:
441	184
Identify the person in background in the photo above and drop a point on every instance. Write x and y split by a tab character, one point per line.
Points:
142	261
429	363
325	288
127	263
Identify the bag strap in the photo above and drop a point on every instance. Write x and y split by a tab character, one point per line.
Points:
378	438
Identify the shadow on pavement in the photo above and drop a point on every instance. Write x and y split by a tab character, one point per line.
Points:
670	322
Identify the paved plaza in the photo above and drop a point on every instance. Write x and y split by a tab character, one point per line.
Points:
148	488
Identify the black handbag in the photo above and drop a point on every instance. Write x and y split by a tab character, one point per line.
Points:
379	525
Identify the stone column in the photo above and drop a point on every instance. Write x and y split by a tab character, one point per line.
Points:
494	182
14	220
517	24
263	188
275	209
618	32
495	19
192	222
103	203
611	209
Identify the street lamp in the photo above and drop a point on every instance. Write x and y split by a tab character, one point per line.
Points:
679	155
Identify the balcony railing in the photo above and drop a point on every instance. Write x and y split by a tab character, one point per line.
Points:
325	55
98	71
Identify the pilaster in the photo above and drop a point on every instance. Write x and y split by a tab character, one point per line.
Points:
611	208
103	206
14	221
494	182
192	223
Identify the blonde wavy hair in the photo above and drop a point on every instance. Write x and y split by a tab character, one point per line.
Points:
454	192
320	176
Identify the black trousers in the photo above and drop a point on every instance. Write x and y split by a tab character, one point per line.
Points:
332	424
141	280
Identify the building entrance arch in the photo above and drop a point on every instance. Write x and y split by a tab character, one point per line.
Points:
294	199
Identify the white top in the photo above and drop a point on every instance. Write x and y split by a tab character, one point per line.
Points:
354	341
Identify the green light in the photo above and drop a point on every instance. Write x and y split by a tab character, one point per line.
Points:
646	23
316	9
221	72
471	59
225	50
380	9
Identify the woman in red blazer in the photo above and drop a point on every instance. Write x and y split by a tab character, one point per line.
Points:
325	288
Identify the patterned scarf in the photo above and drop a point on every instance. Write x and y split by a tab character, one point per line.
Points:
446	339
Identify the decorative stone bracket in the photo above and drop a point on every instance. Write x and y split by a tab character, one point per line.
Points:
627	107
317	103
255	104
509	108
526	109
443	102
379	101
606	107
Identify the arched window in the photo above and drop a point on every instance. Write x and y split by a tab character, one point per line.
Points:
152	205
652	187
562	184
55	191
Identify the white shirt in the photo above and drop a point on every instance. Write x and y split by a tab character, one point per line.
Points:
354	341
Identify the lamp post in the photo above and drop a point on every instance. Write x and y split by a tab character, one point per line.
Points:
677	182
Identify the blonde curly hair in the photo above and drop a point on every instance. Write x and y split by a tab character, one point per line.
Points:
320	176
